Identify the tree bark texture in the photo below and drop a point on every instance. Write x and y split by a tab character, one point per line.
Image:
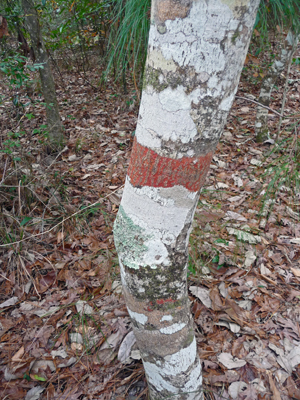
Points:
195	56
55	127
268	82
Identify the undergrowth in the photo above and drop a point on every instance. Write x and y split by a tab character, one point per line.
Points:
283	169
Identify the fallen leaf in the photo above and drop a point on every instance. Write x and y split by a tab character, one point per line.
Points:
229	362
237	181
76	338
293	391
235	328
276	394
295	241
43	365
293	214
250	258
10	302
112	341
295	271
264	270
72	157
244	236
294	356
34	393
59	353
18	355
76	346
235	216
256	162
8	375
68	363
126	346
228	377
114	198
251	393
221	185
202	294
83	308
60	237
245	109
236	388
233	199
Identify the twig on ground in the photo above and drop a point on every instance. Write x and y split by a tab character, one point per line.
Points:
29	276
20	202
62	151
3	175
2	276
260	104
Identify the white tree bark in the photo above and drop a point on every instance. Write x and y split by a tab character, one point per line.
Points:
196	53
268	82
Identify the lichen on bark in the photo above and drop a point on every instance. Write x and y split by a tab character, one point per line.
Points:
153	284
129	240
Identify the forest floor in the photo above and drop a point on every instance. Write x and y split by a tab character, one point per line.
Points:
64	327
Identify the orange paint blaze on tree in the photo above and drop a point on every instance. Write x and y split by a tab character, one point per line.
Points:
147	168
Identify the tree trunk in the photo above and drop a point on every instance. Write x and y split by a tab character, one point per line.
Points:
55	127
195	56
268	82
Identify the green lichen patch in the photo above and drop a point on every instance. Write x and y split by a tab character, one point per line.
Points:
235	36
189	338
129	240
151	78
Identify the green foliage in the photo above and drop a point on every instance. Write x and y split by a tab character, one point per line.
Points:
296	61
198	259
25	220
12	11
130	27
16	68
40	378
29	116
90	212
27	377
42	130
277	14
71	23
13	142
283	171
129	35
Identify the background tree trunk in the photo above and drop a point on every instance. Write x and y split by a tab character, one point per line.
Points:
268	82
195	56
55	127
